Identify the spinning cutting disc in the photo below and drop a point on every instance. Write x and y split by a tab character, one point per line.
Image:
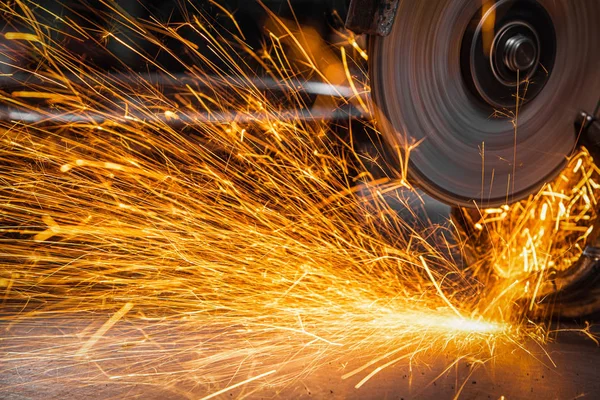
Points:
491	93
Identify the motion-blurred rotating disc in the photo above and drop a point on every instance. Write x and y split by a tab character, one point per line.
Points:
447	76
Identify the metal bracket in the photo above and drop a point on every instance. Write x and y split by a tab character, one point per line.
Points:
373	17
587	127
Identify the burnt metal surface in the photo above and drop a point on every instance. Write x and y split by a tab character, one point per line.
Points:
373	17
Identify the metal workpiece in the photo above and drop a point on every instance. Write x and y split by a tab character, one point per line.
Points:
574	293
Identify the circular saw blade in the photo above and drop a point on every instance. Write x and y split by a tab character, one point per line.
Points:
469	154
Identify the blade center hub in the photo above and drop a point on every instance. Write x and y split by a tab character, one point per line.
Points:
515	53
510	44
519	53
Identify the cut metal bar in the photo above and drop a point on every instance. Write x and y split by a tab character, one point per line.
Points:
168	85
162	80
183	118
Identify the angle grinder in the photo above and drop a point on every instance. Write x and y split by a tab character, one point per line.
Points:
493	97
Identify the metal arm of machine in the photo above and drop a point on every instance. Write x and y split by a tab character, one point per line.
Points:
587	127
373	17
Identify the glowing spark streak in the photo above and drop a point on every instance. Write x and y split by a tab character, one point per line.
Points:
351	81
41	95
500	296
381	367
87	231
578	165
535	291
104	328
312	335
291	35
460	389
438	288
482	169
230	16
362	53
215	394
22	36
544	211
139	53
294	285
375	361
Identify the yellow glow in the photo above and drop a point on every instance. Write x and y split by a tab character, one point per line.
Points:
488	12
545	232
21	36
